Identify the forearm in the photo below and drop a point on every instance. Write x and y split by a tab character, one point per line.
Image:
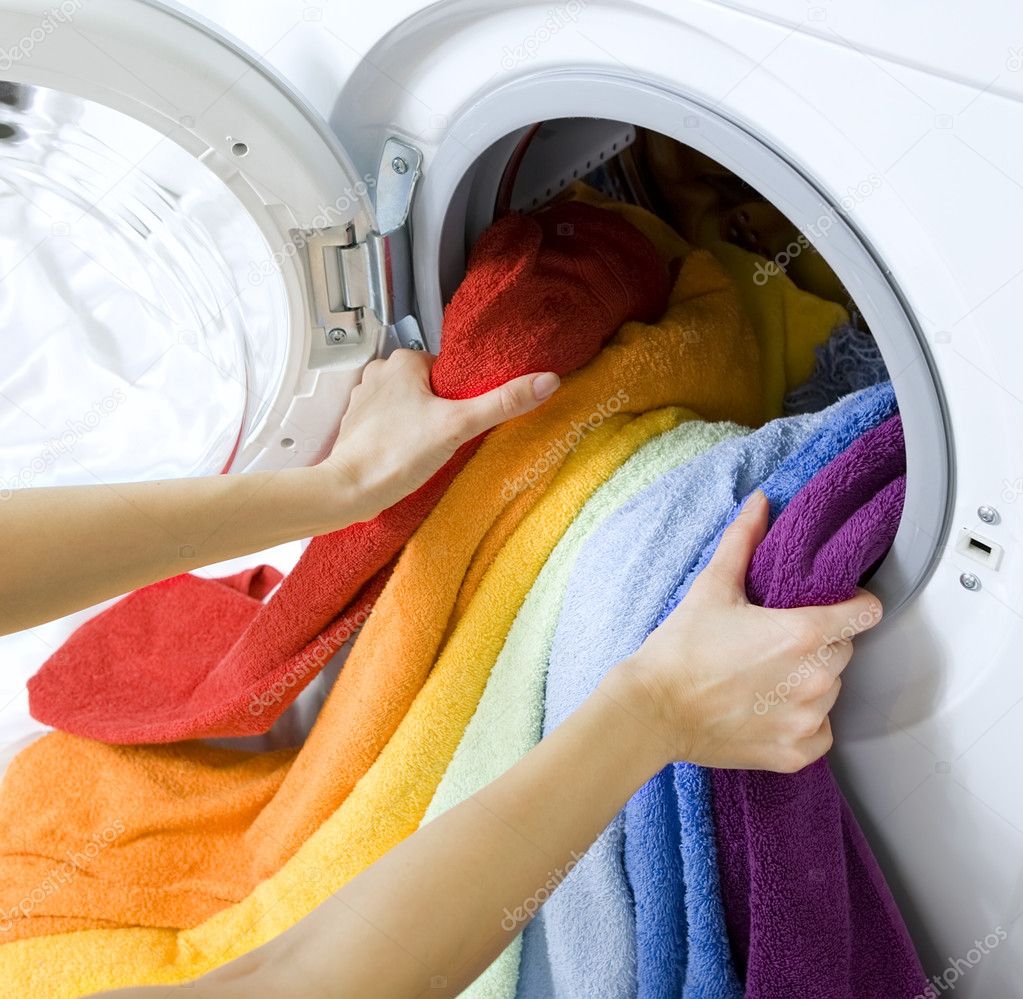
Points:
70	547
445	903
433	913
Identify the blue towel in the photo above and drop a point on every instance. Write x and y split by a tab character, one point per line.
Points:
703	959
583	943
847	361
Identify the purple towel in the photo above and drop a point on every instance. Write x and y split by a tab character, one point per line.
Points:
808	910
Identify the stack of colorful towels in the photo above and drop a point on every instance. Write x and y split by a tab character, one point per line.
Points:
488	605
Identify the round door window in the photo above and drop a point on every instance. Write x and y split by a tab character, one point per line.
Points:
138	338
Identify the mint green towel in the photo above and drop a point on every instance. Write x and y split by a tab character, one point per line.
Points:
509	718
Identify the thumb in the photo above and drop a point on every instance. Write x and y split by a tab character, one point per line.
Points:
507	401
739	542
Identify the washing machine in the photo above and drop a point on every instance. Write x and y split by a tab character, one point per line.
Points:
213	218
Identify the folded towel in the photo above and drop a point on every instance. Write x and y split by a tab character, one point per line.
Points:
850	360
808	907
622	580
701	355
509	718
692	956
167	663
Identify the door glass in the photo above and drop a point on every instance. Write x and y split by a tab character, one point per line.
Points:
137	338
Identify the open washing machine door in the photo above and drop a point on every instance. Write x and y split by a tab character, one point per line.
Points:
195	272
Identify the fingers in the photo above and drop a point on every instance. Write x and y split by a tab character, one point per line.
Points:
814	629
739	541
818	744
507	401
823	706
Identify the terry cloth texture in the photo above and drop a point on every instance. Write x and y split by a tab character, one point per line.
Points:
509	718
172	662
789	323
809	911
586	934
682	941
849	361
645	367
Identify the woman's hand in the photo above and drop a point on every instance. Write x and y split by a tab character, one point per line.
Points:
69	547
726	683
721	682
396	433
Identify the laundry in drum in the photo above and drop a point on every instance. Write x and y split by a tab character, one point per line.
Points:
387	662
700	360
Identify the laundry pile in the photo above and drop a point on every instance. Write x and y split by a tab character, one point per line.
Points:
487	606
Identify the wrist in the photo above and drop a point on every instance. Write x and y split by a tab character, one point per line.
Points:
331	500
638	716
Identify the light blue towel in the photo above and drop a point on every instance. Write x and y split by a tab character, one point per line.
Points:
701	957
584	942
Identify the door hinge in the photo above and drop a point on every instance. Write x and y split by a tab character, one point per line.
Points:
349	277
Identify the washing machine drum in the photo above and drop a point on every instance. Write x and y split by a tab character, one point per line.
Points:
194	273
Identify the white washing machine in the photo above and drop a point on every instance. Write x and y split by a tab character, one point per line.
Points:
209	227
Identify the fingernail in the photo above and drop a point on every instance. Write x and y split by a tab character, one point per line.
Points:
753	497
545	385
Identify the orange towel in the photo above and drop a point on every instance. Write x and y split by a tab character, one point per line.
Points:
703	355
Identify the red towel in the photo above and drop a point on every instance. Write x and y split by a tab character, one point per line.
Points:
190	658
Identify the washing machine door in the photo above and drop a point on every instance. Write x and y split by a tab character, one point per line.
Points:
193	273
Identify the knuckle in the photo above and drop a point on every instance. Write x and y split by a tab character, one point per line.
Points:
817	683
808	724
788	760
806	636
507	402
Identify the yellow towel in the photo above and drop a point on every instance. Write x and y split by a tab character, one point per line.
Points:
702	355
788	321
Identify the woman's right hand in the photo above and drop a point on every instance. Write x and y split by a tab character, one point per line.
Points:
730	684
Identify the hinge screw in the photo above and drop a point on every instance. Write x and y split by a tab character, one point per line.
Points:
988	514
970	581
336	335
399	165
415	345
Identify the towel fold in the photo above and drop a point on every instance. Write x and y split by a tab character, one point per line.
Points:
701	355
508	721
790	324
585	937
808	908
167	663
